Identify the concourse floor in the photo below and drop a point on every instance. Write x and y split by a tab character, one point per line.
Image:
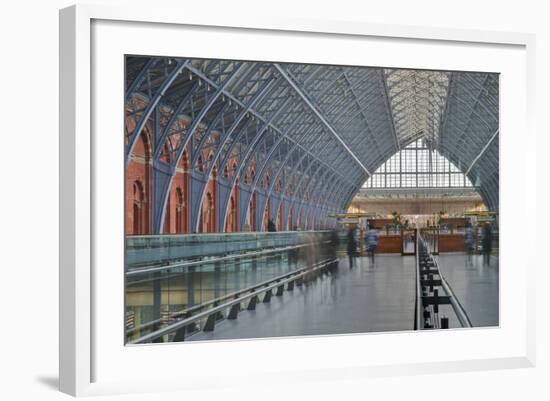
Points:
367	298
476	286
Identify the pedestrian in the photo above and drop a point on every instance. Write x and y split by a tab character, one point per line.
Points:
352	246
371	241
487	243
469	244
271	226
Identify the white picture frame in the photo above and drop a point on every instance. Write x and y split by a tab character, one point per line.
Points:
83	353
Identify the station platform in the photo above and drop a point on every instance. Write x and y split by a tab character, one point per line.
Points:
366	298
475	285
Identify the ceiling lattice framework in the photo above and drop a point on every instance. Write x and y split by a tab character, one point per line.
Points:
317	131
417	99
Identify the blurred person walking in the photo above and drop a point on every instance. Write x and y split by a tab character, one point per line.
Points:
487	243
469	244
352	246
371	241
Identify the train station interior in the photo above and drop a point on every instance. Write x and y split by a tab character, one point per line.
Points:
266	199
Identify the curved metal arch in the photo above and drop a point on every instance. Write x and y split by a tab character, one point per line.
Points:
335	106
463	138
314	108
293	199
269	157
276	177
153	102
236	140
307	173
335	191
138	80
315	177
454	131
239	113
452	96
357	118
165	190
243	160
207	135
336	161
297	144
476	98
473	112
324	205
375	135
320	184
360	141
163	173
174	119
268	160
263	170
309	133
363	113
264	91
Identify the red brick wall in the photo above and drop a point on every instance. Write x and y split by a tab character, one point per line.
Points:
138	179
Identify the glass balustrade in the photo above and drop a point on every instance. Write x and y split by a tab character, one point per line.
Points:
171	277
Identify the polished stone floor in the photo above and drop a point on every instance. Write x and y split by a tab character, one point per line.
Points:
476	286
367	298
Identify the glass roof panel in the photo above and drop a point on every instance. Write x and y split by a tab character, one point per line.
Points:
417	99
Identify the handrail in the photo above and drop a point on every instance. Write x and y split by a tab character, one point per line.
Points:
418	300
432	304
251	293
457	306
240	233
153	268
160	250
217	300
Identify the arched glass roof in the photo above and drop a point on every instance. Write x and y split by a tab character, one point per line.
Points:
318	132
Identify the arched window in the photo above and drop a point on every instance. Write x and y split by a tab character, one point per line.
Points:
280	225
209	214
253	212
215	169
180	211
200	164
232	218
138	187
138	209
185	161
267	214
166	156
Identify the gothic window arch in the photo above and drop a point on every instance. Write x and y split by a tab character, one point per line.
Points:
138	208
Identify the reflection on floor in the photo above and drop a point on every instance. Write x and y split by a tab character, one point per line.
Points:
476	286
367	298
